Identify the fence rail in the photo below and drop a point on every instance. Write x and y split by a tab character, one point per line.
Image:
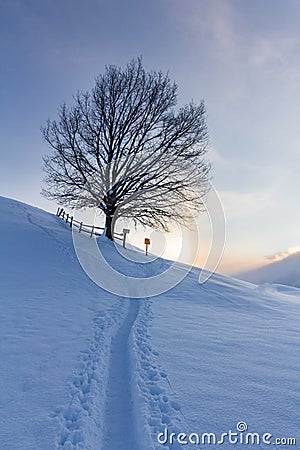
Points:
84	228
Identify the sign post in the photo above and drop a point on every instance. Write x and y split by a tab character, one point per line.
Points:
147	242
125	232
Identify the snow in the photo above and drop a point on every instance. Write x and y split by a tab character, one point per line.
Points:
82	368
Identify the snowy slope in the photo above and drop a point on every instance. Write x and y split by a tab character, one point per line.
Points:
285	271
84	369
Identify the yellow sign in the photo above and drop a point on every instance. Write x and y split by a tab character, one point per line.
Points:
147	242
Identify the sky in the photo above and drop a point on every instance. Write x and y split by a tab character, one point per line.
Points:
241	57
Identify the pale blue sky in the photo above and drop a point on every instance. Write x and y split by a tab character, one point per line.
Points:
242	57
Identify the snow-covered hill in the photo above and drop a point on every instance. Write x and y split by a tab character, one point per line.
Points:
285	271
84	369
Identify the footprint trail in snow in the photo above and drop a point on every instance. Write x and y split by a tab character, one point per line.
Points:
118	427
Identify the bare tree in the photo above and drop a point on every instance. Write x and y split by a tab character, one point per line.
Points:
125	149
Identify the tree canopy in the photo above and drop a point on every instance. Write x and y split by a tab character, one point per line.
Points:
126	149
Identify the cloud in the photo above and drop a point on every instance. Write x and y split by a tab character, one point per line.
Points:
219	25
237	204
277	256
227	32
294	249
283	254
275	50
210	24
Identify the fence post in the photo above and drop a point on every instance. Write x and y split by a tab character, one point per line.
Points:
67	218
80	226
71	221
63	215
92	231
57	212
125	232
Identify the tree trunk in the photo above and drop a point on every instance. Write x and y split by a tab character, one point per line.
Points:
108	227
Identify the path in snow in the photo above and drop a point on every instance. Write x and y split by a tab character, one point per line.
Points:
118	426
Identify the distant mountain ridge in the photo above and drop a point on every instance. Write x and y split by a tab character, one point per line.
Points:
286	271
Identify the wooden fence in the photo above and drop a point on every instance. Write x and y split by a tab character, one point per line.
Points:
82	227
